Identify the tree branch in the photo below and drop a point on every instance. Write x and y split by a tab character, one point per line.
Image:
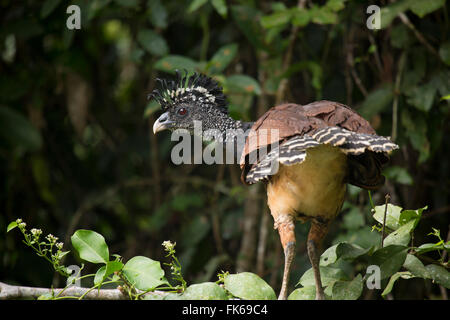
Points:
288	58
396	96
11	292
404	18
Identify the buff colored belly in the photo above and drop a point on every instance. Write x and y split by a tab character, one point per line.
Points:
313	188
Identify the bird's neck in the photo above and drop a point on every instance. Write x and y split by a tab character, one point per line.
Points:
231	134
224	128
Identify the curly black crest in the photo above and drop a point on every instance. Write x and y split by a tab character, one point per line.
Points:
196	88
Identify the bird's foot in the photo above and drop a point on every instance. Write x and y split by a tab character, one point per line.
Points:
320	295
282	296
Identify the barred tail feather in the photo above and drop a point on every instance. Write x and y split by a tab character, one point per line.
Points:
352	142
366	154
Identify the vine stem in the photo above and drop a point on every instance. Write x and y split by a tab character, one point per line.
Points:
8	292
387	197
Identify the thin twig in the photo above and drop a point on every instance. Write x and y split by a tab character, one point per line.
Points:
376	55
281	92
444	257
396	96
351	64
404	18
262	242
387	197
215	219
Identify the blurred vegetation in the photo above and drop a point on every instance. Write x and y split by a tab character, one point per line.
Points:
77	151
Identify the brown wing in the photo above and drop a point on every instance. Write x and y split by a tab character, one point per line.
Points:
285	121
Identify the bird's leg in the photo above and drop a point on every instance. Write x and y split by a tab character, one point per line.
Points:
286	229
316	234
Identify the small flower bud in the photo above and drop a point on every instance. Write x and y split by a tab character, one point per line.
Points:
168	245
36	232
51	238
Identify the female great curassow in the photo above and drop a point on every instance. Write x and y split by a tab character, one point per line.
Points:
310	153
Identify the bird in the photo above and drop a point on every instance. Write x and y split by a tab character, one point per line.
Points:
305	155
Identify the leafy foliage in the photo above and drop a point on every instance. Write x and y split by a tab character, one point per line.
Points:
396	255
76	153
141	275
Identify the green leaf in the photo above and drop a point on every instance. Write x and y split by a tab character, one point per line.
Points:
422	8
243	84
248	286
348	251
348	290
205	291
444	52
152	42
377	101
328	275
195	5
91	246
220	6
398	174
301	17
11	226
48	7
388	13
323	15
422	97
415	266
100	275
17	131
392	215
329	256
427	247
61	254
222	58
158	13
390	259
401	236
439	274
171	63
395	277
144	273
343	250
106	270
335	5
305	293
408	215
277	19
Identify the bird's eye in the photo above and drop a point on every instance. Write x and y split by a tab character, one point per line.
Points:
182	111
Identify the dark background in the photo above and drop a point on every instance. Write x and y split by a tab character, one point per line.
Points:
77	151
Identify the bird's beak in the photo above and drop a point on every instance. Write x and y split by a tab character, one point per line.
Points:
162	123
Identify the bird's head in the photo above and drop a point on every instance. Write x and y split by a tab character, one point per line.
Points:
186	99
